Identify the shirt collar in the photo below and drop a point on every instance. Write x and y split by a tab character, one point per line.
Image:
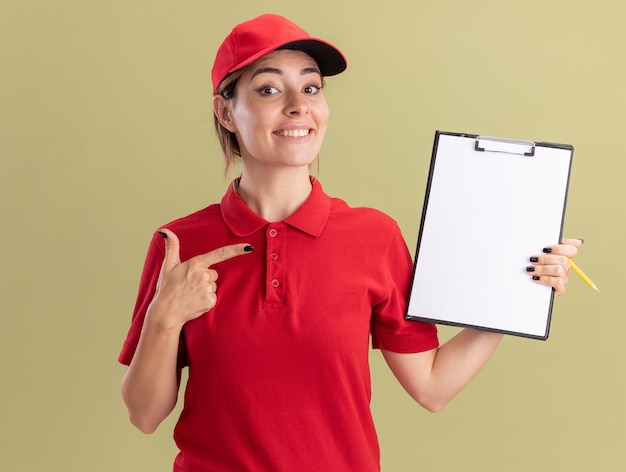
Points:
310	218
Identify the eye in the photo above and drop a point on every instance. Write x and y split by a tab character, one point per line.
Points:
312	89
267	90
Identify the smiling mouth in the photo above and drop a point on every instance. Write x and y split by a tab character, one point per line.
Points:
294	133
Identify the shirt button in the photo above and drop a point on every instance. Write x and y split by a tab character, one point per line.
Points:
275	283
273	232
274	256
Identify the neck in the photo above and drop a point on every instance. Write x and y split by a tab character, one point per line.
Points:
277	196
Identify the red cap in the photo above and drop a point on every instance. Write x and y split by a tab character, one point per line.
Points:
251	40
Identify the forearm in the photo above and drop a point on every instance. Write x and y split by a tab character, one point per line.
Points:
150	385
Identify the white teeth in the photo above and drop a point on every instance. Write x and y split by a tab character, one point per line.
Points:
294	133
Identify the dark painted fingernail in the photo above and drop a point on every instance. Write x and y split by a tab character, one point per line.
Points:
536	277
534	259
163	234
582	241
547	250
249	248
530	269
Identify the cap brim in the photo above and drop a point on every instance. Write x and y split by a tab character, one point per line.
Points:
329	59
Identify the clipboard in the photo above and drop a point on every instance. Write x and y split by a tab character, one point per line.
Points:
490	204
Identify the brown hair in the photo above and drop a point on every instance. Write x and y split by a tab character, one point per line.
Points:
228	140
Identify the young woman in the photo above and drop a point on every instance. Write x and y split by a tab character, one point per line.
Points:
277	346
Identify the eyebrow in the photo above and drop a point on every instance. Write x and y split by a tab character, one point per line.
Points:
274	70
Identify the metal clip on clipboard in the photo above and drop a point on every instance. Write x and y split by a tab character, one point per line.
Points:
509	146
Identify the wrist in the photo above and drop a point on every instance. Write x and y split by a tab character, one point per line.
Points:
159	318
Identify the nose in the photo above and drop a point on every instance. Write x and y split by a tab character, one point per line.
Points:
296	104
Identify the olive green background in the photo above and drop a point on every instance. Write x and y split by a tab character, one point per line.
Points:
106	133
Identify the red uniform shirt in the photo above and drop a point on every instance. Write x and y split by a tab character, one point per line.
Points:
278	370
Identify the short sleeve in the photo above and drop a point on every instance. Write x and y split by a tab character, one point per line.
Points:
390	330
145	294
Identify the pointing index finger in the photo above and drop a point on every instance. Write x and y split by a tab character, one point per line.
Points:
222	253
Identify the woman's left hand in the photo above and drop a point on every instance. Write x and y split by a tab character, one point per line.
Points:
552	267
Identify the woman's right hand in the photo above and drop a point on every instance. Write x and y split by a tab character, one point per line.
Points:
186	290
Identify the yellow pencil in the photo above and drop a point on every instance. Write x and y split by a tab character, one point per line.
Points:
582	275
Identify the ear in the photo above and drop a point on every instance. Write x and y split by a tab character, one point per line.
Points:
221	108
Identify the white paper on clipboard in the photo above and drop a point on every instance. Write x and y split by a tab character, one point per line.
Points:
490	204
